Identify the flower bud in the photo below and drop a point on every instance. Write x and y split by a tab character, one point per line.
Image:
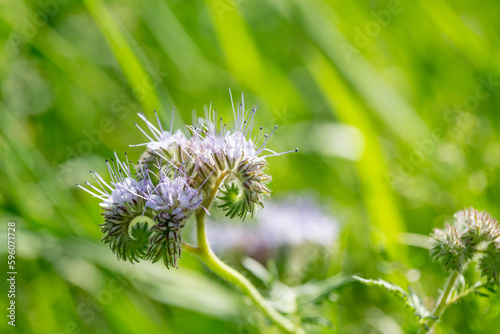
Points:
447	248
455	246
123	199
478	226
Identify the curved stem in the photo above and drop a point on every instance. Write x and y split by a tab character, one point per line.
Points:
443	300
204	251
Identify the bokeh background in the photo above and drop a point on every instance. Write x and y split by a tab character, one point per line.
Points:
393	105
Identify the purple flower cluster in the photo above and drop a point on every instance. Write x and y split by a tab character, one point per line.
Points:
172	179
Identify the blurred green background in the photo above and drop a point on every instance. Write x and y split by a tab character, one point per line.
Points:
393	105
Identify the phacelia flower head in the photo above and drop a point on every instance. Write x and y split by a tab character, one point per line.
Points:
214	151
145	211
172	201
237	153
162	144
472	233
174	196
123	199
129	201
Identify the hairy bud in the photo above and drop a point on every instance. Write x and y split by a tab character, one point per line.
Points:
457	244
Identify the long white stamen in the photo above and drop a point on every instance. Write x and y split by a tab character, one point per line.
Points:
128	163
205	180
111	173
94	195
122	167
272	133
208	213
115	170
169	162
144	132
239	115
278	154
99	183
194	132
172	121
232	103
98	178
99	191
151	127
263	144
137	145
148	172
250	123
258	139
214	117
135	194
267	139
242	101
158	120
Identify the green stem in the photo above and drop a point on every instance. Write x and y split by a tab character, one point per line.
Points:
204	251
443	300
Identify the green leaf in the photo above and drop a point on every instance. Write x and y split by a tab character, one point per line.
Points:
481	294
411	299
258	270
416	304
483	289
283	298
318	321
312	292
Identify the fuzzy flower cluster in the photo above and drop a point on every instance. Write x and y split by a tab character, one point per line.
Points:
175	177
473	233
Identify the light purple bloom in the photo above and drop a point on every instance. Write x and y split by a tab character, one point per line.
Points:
291	222
123	192
213	146
174	196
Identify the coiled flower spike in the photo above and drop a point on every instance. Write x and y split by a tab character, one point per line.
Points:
126	200
175	176
188	174
214	150
172	201
238	154
123	199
